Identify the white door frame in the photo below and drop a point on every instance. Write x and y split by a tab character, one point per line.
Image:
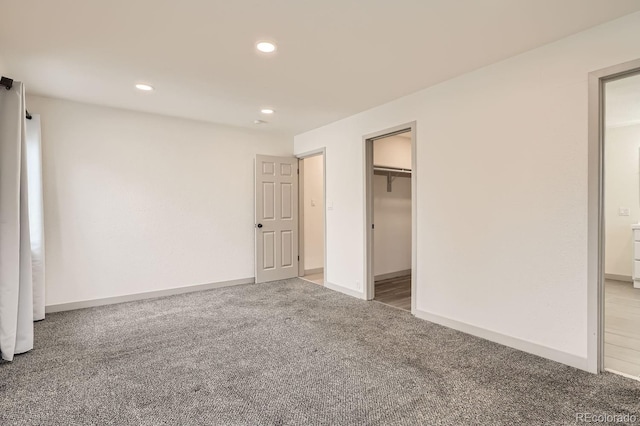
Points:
596	230
320	151
369	276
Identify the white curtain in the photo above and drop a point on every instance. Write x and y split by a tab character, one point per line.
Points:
36	213
16	267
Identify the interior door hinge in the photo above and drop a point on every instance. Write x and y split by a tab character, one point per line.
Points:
298	257
298	171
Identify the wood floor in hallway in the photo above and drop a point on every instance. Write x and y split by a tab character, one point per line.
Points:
622	328
395	292
315	278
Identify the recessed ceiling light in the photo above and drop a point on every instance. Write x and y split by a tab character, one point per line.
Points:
266	47
144	87
267	111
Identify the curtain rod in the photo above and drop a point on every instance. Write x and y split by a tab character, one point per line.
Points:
8	84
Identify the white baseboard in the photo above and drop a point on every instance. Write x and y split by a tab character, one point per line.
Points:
313	271
390	275
512	342
140	296
616	277
347	291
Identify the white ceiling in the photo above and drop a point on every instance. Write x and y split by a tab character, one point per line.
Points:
335	57
622	99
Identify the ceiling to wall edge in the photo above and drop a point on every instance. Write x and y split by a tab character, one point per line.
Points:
264	132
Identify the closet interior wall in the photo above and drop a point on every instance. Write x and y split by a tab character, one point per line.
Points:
392	209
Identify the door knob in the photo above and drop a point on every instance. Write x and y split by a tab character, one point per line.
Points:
259	225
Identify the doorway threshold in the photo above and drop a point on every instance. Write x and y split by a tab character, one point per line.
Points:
314	278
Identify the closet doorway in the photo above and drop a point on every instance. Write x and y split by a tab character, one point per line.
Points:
390	206
312	222
614	220
621	220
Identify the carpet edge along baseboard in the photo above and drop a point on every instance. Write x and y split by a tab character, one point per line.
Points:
146	295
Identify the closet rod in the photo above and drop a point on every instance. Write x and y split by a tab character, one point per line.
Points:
391	169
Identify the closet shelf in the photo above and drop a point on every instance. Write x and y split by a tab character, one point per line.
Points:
391	173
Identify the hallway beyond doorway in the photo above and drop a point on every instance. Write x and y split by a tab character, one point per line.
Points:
394	292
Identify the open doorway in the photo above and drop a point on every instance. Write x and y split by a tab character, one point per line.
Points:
390	161
312	217
621	220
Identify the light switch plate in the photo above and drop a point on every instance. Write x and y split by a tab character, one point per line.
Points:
624	211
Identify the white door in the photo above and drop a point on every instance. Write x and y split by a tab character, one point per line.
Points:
276	218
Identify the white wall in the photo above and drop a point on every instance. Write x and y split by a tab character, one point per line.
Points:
392	218
3	68
501	188
392	210
313	213
622	189
394	151
137	202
